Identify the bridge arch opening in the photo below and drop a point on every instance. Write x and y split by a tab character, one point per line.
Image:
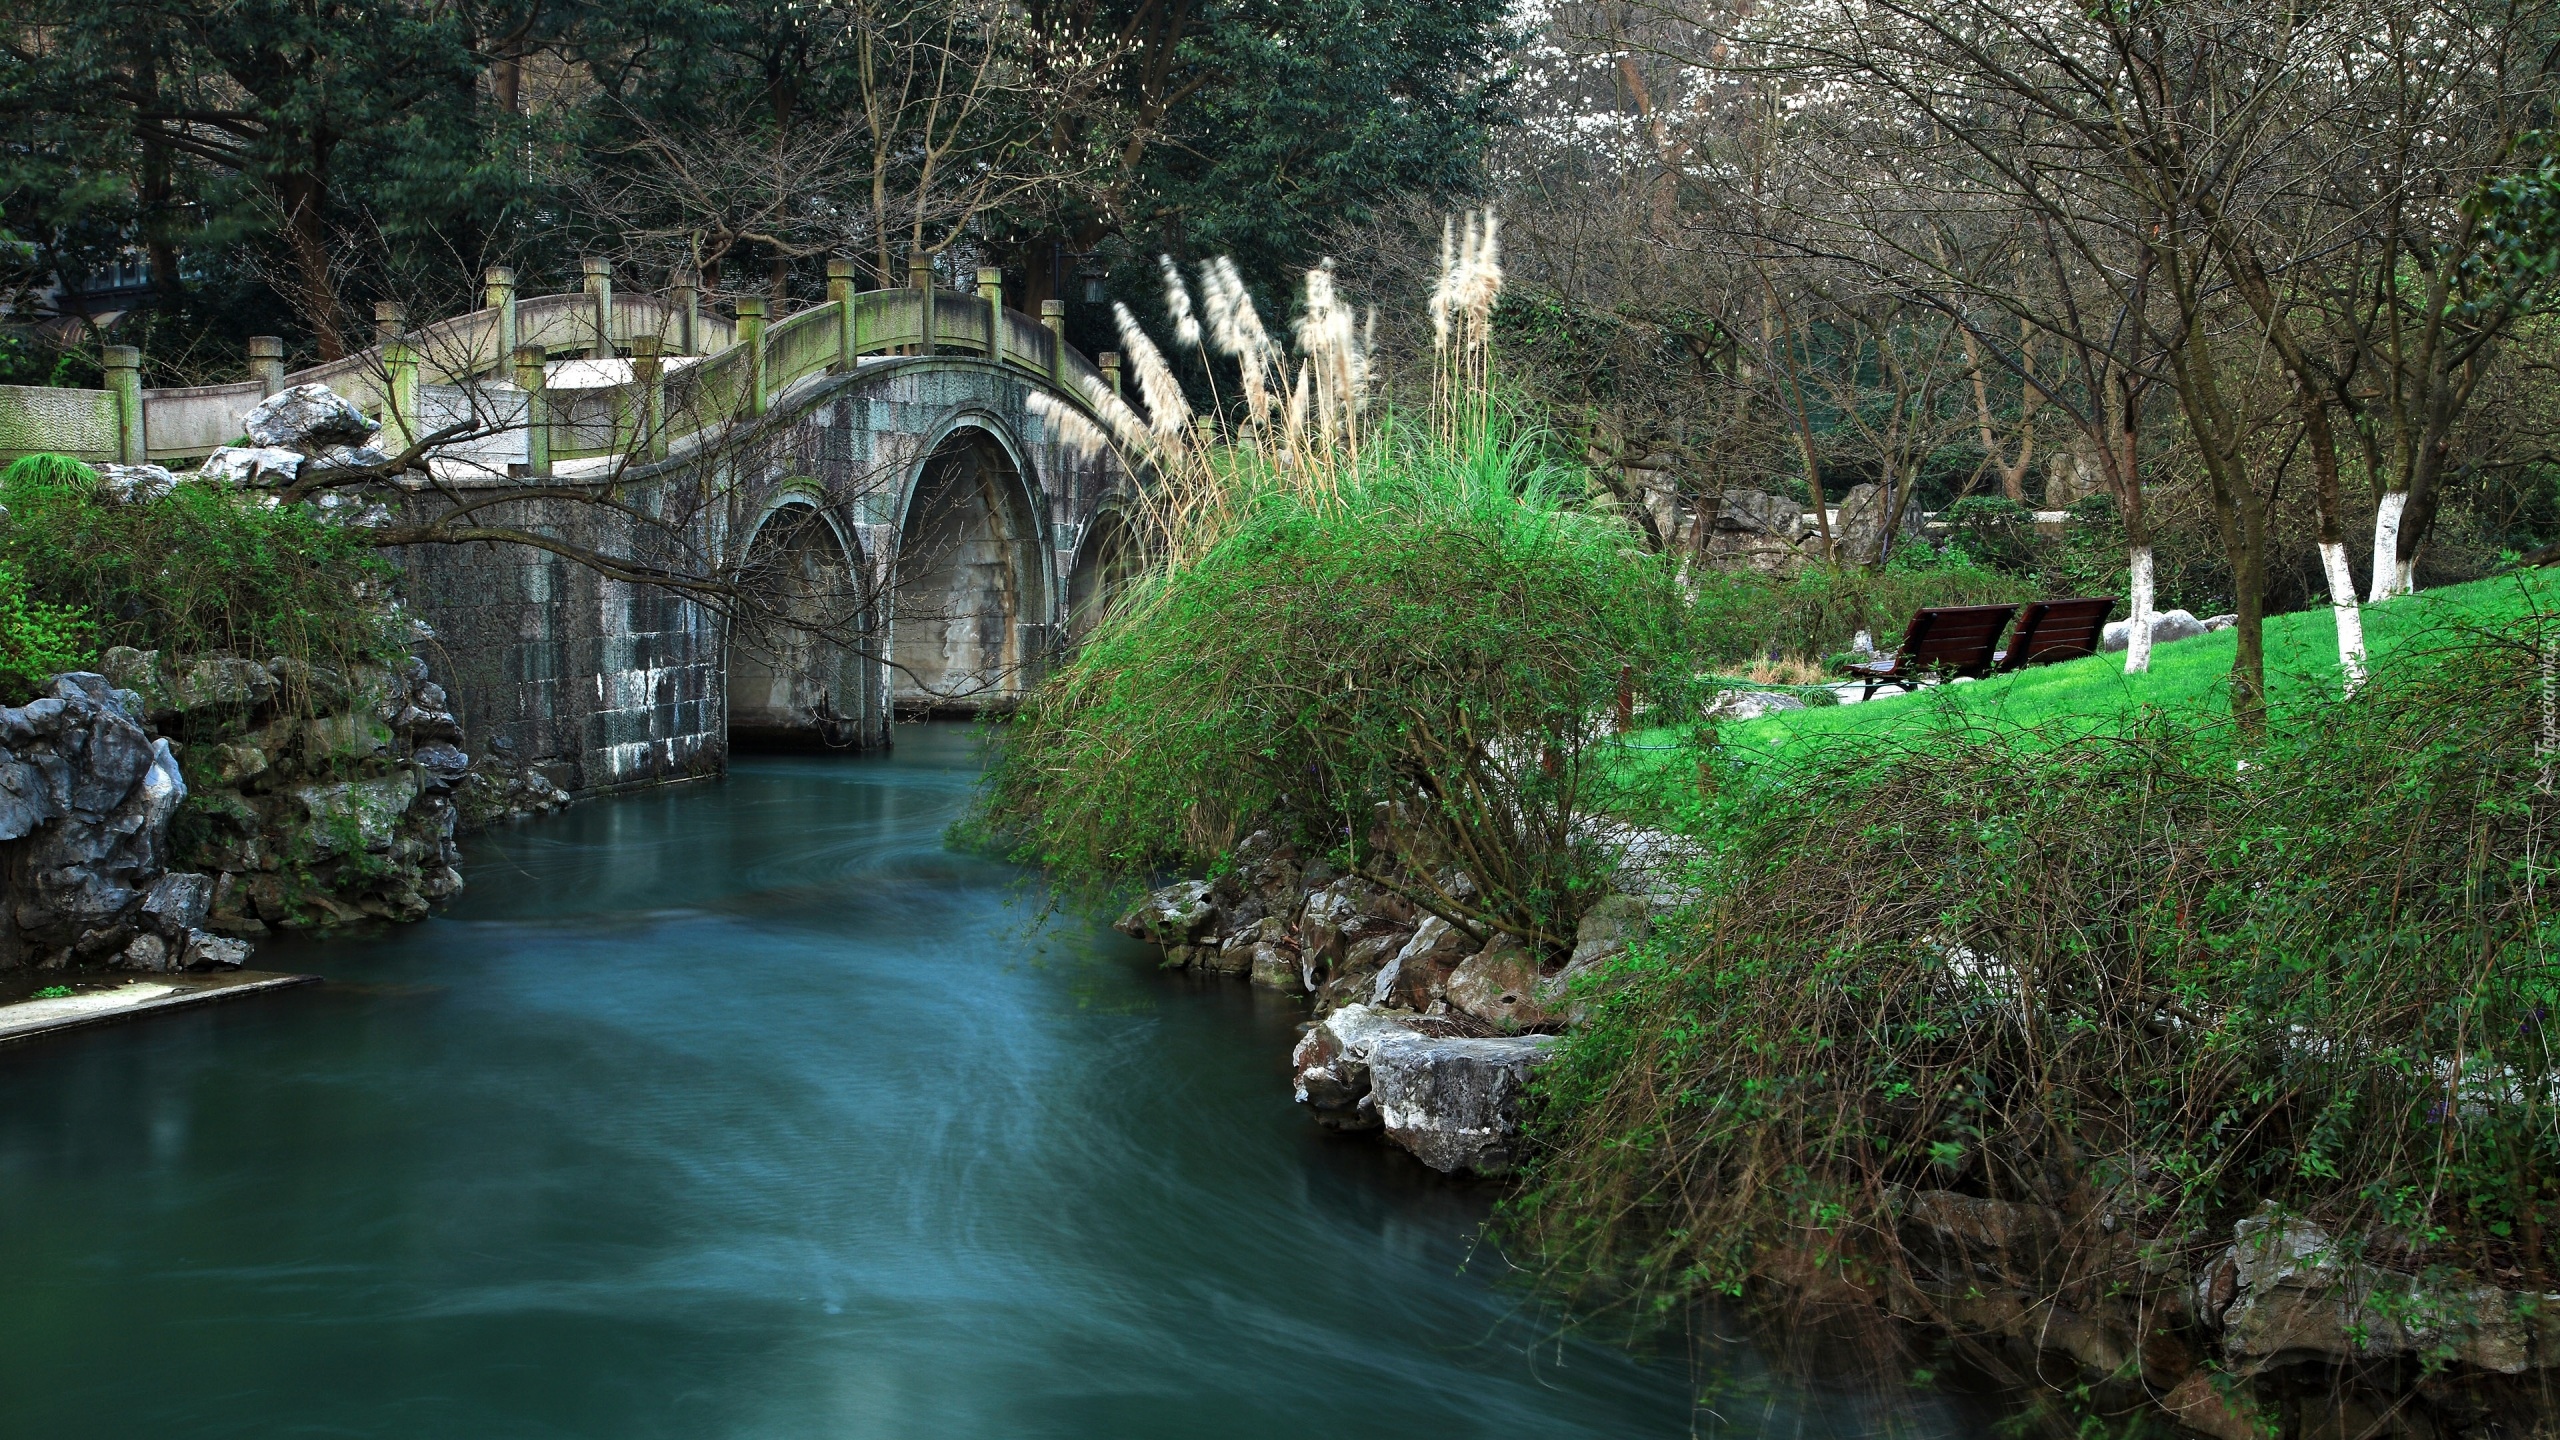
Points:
972	601
1106	562
796	679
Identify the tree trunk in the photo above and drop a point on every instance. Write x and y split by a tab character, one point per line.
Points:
307	233
2386	546
2238	511
2333	536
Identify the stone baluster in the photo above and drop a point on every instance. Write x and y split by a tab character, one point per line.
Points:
498	291
530	360
991	291
649	377
751	335
124	379
840	293
1053	318
400	375
600	285
688	313
1109	360
266	362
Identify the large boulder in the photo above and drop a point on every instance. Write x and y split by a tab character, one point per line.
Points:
1757	512
1173	916
1331	1065
1499	985
1741	705
1454	1102
134	484
1603	935
86	796
251	465
2287	1291
1419	970
2167	627
1859	531
309	419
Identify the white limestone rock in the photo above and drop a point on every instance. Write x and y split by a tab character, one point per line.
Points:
251	465
308	418
2167	626
1454	1103
1749	704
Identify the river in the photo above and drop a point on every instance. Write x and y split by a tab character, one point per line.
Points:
748	1109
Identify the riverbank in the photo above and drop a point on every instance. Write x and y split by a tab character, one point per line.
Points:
2171	1065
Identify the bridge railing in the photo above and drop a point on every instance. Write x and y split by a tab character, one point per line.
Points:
712	371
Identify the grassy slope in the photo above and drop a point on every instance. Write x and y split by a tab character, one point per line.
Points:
2053	700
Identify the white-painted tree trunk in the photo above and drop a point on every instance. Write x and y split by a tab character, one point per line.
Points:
2386	545
2137	638
2342	604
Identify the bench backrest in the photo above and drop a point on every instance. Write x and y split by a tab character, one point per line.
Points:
2055	630
1960	638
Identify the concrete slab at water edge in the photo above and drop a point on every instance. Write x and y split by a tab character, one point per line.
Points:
29	1020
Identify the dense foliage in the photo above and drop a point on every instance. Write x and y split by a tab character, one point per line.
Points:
2132	974
198	571
1421	662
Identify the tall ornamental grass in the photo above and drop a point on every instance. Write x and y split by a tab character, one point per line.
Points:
1413	669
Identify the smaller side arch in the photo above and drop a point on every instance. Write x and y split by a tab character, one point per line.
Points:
1108	556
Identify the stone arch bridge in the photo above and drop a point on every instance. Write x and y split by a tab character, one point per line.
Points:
877	462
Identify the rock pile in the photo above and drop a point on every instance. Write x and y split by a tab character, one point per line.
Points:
86	800
308	426
322	796
1424	1030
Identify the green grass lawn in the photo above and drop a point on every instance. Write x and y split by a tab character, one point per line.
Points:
2055	701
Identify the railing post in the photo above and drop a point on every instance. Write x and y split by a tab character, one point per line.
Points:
1109	360
124	377
991	290
840	292
400	372
688	314
266	362
530	360
498	289
751	335
1053	318
600	285
920	276
649	372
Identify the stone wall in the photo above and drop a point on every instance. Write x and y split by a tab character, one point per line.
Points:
596	684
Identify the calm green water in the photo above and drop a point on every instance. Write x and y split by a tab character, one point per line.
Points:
748	1110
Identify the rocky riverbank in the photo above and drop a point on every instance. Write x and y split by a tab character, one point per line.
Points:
1422	1030
162	815
1428	1036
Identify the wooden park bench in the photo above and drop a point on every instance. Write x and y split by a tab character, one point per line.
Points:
1945	642
2053	630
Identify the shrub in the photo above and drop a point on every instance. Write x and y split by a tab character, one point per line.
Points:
201	570
38	639
2124	975
1419	661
